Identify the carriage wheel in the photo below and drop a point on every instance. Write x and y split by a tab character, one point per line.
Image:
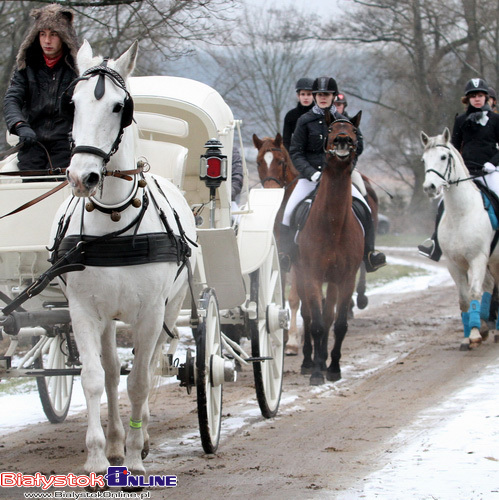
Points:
210	372
55	392
267	335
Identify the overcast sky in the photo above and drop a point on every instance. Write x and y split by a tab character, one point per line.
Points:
322	7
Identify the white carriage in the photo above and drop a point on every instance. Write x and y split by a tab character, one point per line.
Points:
237	279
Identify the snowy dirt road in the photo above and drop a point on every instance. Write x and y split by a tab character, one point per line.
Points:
402	371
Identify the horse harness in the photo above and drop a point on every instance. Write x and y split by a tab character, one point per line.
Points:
352	146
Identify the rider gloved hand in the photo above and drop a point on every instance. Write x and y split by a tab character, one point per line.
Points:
488	168
26	135
315	177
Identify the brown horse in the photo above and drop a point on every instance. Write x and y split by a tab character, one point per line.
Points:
276	170
331	247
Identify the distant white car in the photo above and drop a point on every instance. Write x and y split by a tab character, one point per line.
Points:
383	224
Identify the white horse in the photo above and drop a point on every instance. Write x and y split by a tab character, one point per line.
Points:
465	232
113	196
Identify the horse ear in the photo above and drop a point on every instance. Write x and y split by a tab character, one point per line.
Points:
446	135
424	138
356	119
84	57
257	141
126	63
278	140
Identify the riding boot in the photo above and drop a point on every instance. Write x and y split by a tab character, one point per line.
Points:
287	247
372	258
430	247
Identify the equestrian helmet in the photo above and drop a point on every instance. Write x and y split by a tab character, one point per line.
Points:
304	84
476	85
325	84
341	99
492	93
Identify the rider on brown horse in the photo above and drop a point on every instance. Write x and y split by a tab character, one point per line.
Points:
308	155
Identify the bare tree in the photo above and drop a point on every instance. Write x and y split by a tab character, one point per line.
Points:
257	72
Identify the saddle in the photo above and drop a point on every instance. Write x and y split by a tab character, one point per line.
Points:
302	211
491	205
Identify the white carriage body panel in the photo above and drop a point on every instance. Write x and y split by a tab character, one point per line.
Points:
222	266
256	229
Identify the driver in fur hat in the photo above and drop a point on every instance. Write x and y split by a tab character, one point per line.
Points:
46	65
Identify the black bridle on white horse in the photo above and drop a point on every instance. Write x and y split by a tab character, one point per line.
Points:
103	72
448	168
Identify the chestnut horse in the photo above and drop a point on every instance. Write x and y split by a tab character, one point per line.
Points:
331	247
276	170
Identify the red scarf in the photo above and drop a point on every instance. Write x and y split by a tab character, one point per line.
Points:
52	62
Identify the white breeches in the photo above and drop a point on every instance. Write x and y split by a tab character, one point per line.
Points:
492	181
303	188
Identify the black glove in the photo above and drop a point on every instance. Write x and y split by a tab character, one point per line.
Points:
26	134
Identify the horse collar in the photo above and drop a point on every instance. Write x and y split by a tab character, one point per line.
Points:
115	210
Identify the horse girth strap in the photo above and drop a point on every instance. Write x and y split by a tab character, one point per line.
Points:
127	250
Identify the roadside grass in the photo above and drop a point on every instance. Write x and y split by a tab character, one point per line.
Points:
400	240
392	272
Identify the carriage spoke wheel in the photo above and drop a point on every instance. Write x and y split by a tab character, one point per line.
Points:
55	391
267	337
209	372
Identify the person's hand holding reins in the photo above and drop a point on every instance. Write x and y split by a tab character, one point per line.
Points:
26	135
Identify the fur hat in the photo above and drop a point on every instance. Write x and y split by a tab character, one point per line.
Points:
54	17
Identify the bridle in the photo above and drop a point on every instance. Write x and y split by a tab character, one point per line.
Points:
448	169
352	146
281	183
102	71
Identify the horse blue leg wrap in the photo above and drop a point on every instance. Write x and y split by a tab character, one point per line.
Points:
465	317
474	314
485	306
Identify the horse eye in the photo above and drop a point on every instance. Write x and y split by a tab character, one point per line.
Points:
117	107
443	157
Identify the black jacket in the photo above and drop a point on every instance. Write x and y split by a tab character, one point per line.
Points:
290	122
477	143
34	97
307	144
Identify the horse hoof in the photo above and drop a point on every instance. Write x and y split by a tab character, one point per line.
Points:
465	346
145	451
485	335
362	302
116	460
475	343
496	338
291	350
333	376
317	379
306	370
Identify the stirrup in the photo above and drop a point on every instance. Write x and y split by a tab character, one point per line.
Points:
374	261
427	249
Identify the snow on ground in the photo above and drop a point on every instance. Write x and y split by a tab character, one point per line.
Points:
433	458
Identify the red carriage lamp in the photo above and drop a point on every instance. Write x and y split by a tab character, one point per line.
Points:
213	171
213	164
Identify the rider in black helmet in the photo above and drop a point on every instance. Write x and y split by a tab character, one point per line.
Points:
341	103
305	103
475	135
307	153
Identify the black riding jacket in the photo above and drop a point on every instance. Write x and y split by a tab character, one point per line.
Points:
477	143
308	143
290	122
34	97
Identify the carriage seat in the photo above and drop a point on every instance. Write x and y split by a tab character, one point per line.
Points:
165	158
157	143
